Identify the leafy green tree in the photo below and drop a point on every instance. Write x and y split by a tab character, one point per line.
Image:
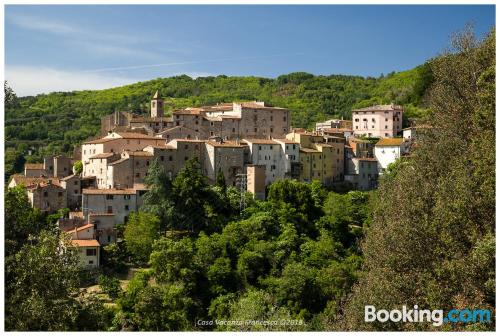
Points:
158	199
220	181
437	213
110	286
140	232
78	167
40	281
189	193
21	220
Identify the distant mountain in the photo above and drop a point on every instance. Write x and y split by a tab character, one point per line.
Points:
56	122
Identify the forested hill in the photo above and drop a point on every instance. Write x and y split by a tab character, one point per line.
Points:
56	122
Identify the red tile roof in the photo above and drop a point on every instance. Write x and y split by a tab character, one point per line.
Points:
33	166
85	243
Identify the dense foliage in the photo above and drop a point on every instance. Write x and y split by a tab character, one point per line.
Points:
59	121
432	240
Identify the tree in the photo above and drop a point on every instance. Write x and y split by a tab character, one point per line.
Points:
220	180
158	199
40	283
437	213
10	96
78	167
140	232
110	286
21	220
189	193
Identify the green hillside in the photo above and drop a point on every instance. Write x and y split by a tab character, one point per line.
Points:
57	122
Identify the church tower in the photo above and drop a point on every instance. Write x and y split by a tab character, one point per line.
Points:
156	105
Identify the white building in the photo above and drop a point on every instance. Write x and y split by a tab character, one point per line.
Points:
268	153
388	151
291	165
116	202
83	238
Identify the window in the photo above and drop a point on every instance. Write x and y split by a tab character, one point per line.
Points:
271	129
373	119
386	134
260	147
127	197
284	130
162	158
177	123
110	209
91	252
271	118
76	192
385	126
75	183
59	194
126	207
234	130
109	197
136	163
196	122
284	118
357	119
185	146
356	127
185	158
138	175
211	123
170	158
211	133
373	126
255	129
154	105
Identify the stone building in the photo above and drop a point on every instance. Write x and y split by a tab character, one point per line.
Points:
47	196
116	202
72	185
226	156
256	181
227	120
333	124
362	173
380	121
34	170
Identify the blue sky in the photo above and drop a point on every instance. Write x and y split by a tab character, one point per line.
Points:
64	48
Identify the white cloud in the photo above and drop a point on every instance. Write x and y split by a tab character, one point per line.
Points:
39	24
28	80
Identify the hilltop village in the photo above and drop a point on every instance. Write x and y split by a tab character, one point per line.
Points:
250	143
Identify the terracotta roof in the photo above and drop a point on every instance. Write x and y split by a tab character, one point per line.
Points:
175	128
33	166
99	214
84	227
85	243
287	141
196	111
44	184
28	181
379	108
99	141
160	146
140	153
256	106
102	156
390	142
109	191
118	161
156	95
224	144
132	135
261	141
336	130
69	177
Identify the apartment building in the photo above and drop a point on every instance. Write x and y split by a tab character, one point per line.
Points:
362	173
380	121
116	202
268	153
48	196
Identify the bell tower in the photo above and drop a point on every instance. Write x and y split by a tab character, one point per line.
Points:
156	105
